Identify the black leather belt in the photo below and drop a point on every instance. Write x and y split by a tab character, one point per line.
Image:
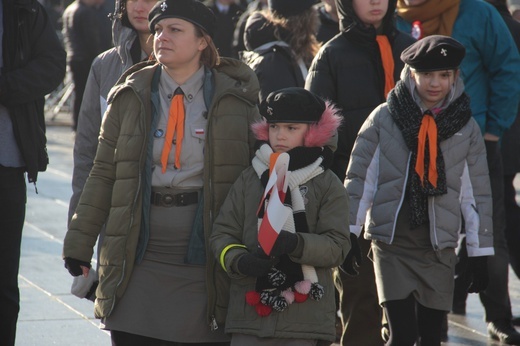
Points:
163	198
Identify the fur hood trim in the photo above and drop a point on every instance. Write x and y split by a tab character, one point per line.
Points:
318	134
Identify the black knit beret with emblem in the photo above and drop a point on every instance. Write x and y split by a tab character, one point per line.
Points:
191	10
292	105
434	53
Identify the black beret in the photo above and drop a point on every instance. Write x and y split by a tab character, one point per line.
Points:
434	53
287	8
191	10
292	105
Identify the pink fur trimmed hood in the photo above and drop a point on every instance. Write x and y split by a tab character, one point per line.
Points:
318	134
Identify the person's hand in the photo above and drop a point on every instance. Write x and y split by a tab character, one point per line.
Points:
354	259
284	244
477	273
252	264
76	267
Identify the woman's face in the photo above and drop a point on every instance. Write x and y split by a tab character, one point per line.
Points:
433	86
370	12
176	44
137	12
286	136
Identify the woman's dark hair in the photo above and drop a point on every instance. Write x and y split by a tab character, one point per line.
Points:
210	56
298	31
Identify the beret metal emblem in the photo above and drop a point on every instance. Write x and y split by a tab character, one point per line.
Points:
269	110
164	6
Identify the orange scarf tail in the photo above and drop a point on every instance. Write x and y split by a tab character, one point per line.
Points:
388	61
175	126
428	131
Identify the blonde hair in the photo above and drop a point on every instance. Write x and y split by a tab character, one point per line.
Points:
301	31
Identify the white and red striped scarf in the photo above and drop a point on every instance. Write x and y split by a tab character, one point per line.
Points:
287	282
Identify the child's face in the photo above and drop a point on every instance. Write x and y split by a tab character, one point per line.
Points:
433	86
286	136
370	12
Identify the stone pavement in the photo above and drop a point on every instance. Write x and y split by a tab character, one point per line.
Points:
51	315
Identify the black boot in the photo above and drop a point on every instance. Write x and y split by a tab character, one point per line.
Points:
503	331
516	321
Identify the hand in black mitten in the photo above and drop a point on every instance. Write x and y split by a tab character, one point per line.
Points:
285	243
251	264
477	272
74	266
353	259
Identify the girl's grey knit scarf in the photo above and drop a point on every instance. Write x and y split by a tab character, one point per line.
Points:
408	116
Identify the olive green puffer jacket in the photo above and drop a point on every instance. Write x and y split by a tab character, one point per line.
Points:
113	193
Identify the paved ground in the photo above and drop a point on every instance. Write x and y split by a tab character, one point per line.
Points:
50	315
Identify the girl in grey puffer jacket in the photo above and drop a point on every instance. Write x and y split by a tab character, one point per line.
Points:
418	168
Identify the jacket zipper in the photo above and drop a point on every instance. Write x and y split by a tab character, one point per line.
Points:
433	225
402	198
133	210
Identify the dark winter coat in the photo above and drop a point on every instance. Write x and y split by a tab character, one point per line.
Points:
226	22
328	27
348	70
511	139
272	60
34	65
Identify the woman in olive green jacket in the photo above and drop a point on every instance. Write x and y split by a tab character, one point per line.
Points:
157	277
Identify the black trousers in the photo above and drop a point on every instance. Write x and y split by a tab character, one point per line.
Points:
80	71
495	298
13	196
360	309
512	230
411	323
128	339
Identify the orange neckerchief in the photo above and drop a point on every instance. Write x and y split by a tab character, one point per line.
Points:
428	131
272	161
436	16
175	125
388	61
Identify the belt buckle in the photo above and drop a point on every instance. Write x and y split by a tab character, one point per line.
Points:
168	200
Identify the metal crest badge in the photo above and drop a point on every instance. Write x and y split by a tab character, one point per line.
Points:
269	110
444	52
164	6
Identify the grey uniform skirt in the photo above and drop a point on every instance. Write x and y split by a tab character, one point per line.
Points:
410	266
166	298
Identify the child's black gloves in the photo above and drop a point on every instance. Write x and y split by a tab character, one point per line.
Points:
285	244
74	266
477	273
354	259
251	264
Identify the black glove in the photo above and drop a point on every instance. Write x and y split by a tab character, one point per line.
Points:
353	259
477	273
284	244
73	266
251	264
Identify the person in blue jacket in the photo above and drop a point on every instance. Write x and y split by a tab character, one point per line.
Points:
491	71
